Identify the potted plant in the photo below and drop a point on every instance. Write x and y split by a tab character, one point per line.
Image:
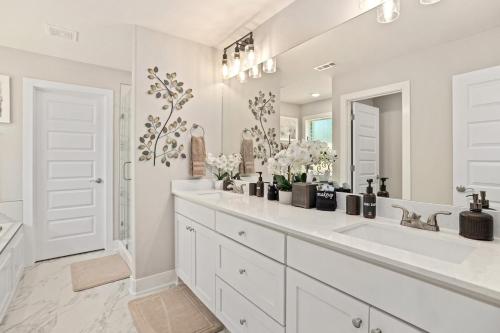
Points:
222	167
285	190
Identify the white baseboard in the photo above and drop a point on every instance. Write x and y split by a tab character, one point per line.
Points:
152	283
125	254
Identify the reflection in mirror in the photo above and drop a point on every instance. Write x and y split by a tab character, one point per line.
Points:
394	100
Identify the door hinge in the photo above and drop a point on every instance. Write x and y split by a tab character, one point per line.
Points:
352	115
353	168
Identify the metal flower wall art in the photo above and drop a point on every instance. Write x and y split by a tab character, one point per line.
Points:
266	139
161	142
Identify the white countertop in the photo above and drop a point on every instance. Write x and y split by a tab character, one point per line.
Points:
477	276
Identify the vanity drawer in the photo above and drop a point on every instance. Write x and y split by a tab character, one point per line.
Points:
195	212
384	323
257	277
262	239
239	315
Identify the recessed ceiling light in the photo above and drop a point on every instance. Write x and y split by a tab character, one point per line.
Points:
315	95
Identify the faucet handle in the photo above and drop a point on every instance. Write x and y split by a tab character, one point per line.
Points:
432	220
406	213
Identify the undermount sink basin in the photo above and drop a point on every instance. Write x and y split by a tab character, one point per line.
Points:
412	241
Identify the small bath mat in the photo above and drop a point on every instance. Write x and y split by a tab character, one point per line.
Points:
174	310
96	272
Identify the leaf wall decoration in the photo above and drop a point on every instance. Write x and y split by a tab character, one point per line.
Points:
160	141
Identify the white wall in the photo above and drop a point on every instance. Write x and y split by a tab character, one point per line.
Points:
391	164
20	64
195	65
430	73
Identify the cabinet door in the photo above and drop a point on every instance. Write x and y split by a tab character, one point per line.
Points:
315	307
184	247
380	322
204	261
5	281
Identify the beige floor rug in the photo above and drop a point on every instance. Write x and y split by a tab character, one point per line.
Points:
175	310
96	272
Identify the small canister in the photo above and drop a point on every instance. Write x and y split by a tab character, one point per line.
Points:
353	203
252	189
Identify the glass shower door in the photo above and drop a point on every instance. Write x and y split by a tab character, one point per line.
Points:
125	161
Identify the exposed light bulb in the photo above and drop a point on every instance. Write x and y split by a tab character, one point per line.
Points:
250	52
243	76
255	72
389	11
429	2
236	61
225	67
269	66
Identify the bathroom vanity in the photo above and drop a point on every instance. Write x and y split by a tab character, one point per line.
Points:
265	267
11	262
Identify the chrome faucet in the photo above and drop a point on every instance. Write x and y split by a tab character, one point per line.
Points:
413	220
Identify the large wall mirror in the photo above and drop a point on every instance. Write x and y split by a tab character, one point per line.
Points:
394	100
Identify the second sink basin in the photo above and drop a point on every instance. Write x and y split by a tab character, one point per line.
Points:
412	241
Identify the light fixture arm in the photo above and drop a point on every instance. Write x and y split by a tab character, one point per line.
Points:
242	42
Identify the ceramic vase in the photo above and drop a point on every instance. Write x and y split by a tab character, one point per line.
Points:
285	198
218	184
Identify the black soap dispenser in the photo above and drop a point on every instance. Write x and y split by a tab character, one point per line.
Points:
475	224
383	188
369	202
272	191
260	186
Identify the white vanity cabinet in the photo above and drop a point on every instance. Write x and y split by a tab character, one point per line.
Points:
195	258
11	270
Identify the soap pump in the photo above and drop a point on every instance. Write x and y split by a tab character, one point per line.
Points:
369	202
272	191
475	224
260	186
383	188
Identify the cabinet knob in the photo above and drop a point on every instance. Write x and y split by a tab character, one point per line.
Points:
243	322
356	322
187	228
242	271
241	233
376	330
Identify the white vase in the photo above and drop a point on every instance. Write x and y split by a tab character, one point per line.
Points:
285	198
218	184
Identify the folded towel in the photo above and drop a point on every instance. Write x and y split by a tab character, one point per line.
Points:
247	165
198	156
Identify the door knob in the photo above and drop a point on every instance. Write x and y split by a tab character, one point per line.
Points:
356	322
376	330
463	189
97	180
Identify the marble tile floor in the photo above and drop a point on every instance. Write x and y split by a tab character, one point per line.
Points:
45	303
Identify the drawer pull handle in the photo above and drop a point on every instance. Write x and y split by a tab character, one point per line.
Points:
242	271
243	322
376	330
241	233
356	322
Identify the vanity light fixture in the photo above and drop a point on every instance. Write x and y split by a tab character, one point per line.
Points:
428	2
243	45
389	11
269	66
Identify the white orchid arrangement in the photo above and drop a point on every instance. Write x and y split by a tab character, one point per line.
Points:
223	166
301	156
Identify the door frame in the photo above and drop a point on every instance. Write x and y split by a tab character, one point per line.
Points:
30	86
345	155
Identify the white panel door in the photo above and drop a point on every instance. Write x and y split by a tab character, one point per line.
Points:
365	146
69	193
312	306
476	134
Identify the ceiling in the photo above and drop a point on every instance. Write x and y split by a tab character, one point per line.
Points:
105	26
363	42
